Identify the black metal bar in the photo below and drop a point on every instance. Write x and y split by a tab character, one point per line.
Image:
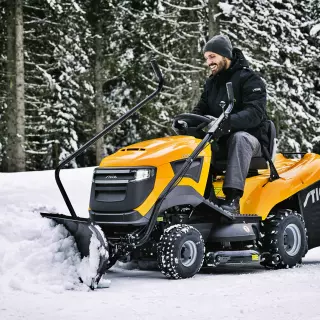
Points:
293	153
273	171
102	133
174	181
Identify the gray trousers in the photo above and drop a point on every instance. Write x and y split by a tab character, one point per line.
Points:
241	147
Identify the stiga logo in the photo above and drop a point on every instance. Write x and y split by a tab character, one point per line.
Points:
313	195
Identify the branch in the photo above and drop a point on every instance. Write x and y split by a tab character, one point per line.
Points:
152	121
184	8
164	17
172	58
180	70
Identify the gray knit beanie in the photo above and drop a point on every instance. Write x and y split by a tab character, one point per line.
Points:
219	44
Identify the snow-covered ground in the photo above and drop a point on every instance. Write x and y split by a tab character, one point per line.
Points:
39	270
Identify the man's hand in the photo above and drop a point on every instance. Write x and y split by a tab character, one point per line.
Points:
223	129
179	127
212	118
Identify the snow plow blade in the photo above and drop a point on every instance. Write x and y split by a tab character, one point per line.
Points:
82	230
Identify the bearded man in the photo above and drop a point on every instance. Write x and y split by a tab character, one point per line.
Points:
238	137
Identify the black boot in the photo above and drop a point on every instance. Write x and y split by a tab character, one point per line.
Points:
212	197
232	203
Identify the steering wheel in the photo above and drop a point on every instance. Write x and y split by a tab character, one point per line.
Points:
193	118
195	124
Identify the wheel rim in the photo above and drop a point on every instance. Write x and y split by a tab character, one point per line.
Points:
188	253
292	239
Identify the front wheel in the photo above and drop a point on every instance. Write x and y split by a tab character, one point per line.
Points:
180	252
285	239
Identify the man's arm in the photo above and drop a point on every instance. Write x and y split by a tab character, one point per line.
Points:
202	106
254	99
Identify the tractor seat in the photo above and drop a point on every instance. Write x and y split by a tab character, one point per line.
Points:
257	163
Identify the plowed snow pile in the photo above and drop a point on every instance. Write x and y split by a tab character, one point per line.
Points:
35	253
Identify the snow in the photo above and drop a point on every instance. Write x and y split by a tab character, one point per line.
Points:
226	8
39	268
315	29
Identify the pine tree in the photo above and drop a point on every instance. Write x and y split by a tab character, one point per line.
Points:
275	39
314	40
15	104
88	61
170	32
57	71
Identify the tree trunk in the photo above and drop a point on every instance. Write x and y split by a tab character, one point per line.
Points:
20	114
197	78
9	161
213	11
98	83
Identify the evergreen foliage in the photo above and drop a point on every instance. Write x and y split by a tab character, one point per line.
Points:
73	48
275	36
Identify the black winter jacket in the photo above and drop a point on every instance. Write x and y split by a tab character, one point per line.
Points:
249	111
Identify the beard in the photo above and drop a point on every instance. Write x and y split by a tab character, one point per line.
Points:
220	66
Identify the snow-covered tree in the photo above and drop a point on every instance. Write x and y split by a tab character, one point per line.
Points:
87	62
275	37
57	87
14	106
314	12
170	31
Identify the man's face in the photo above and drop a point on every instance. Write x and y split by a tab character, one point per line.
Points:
215	62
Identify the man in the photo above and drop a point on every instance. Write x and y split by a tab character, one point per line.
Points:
237	138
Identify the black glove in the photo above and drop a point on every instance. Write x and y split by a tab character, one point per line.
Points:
212	118
179	127
223	129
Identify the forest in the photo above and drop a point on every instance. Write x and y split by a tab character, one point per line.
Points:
71	67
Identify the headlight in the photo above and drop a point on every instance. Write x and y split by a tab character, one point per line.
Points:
142	174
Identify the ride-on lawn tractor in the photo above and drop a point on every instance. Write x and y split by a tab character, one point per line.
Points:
148	203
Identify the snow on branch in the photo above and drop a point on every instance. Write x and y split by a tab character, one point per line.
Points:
169	56
187	35
226	8
33	7
162	17
184	8
166	93
179	70
247	23
315	29
152	121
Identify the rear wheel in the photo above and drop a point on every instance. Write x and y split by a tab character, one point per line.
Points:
180	252
285	239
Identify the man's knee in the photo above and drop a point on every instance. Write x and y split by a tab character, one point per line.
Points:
239	137
244	141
